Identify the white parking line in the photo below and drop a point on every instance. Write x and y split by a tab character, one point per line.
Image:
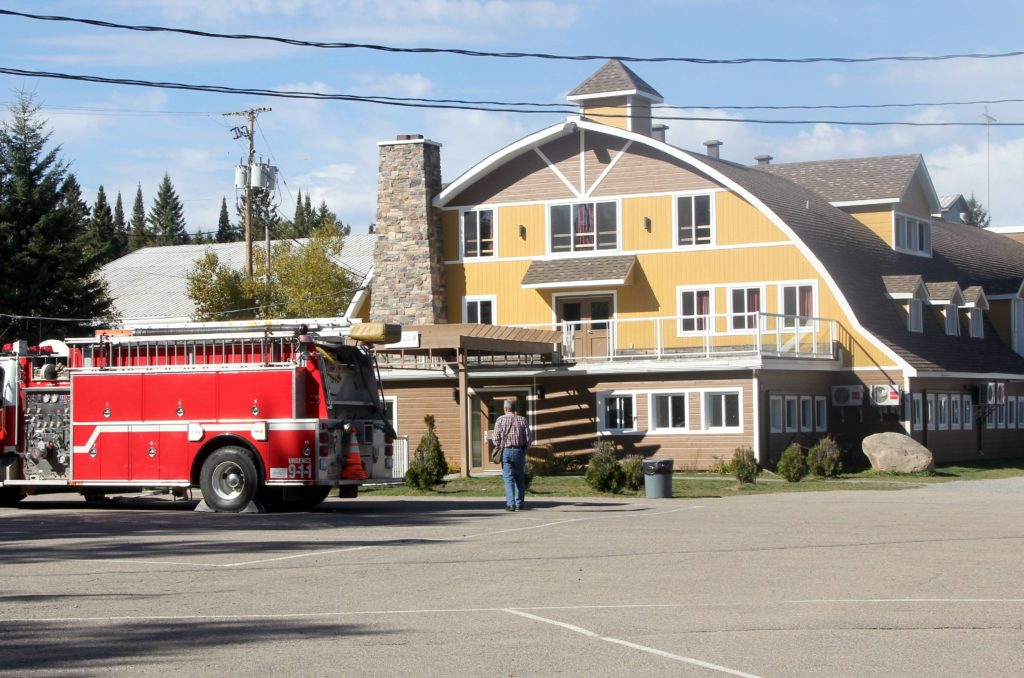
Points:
635	646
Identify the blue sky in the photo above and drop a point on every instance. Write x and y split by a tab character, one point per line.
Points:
119	136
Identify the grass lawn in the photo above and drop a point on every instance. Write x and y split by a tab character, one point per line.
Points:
697	485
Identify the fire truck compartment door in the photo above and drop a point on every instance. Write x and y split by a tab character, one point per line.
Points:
159	452
100	452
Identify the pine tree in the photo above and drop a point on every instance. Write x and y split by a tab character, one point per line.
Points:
308	215
263	214
225	231
300	229
138	235
976	214
120	228
167	217
41	221
99	244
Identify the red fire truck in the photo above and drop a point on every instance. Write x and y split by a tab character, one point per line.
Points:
271	413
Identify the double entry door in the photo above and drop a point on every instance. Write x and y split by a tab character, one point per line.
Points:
588	317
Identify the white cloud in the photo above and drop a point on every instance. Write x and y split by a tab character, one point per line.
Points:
394	84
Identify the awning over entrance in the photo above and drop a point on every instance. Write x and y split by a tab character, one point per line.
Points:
581	272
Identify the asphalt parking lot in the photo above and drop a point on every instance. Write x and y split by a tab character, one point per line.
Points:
922	582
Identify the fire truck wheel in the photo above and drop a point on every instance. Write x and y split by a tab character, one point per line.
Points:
348	491
9	496
229	479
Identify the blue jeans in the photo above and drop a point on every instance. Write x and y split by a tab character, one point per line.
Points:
513	470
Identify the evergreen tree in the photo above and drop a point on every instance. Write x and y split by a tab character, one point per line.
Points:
300	229
120	228
41	222
167	217
99	244
138	235
263	214
307	213
225	231
976	214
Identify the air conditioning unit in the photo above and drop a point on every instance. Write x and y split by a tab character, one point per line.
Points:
847	396
885	395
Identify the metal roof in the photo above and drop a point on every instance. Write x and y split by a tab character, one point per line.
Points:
150	283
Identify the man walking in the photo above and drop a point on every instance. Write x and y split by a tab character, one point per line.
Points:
512	436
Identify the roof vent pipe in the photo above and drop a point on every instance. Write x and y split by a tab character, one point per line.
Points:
712	146
658	132
763	159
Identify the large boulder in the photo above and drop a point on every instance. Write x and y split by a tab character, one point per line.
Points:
897	453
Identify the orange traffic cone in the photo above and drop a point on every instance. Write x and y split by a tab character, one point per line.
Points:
353	462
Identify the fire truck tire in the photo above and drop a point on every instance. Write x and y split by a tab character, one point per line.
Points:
292	498
229	479
9	496
348	491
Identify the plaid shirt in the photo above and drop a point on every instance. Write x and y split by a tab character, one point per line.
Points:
511	431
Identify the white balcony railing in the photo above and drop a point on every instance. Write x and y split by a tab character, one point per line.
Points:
707	336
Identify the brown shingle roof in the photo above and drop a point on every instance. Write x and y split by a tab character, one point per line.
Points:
581	270
613	76
879	178
901	284
941	291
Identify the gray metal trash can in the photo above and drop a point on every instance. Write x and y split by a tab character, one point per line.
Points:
658	478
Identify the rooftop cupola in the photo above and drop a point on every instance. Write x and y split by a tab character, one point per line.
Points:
616	96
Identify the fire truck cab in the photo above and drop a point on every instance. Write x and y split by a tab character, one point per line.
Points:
255	413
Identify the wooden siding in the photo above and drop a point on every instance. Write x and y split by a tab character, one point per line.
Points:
564	154
878	218
534	218
526	178
645	170
1000	314
915	199
611	112
451	235
413	400
600	150
738	222
635	236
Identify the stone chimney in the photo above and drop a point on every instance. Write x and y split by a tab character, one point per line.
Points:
712	146
763	159
408	265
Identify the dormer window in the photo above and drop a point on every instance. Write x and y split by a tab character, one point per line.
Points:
952	320
912	235
915	316
977	321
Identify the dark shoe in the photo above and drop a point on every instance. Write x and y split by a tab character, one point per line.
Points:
510	508
520	508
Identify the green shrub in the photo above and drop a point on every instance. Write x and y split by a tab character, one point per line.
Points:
720	466
604	473
530	472
564	463
793	463
428	466
633	471
744	465
825	458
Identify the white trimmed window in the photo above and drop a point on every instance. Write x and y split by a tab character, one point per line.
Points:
912	235
954	412
584	227
616	412
797	305
1001	414
391	411
820	414
930	411
669	411
915	316
479	310
943	412
694	310
744	306
792	421
1011	411
977	320
775	413
478	234
695	220
952	320
806	413
722	411
968	412
918	422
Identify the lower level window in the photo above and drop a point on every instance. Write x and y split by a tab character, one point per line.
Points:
721	410
479	311
670	411
618	412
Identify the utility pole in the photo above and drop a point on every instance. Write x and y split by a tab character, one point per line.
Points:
248	132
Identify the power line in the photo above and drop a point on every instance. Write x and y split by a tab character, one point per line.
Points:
501	55
431	104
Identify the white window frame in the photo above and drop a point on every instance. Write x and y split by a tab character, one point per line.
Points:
1001	414
791	414
476	299
806	413
954	412
393	400
977	322
708	319
968	412
915	315
990	419
602	399
750	322
820	414
776	416
952	317
789	321
462	233
943	402
918	414
1011	411
574	250
705	399
675	220
912	235
652	412
930	411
